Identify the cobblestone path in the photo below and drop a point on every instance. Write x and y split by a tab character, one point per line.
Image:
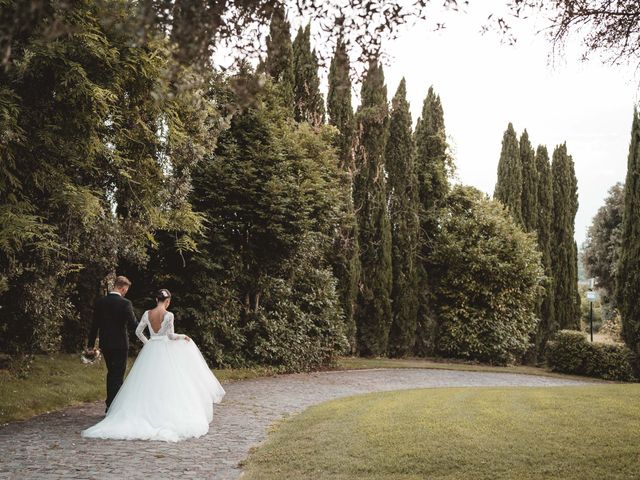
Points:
50	446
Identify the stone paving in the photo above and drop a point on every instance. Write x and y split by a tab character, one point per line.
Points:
50	446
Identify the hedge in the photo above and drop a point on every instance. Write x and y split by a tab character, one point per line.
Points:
570	352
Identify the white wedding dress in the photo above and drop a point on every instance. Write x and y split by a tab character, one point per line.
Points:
168	394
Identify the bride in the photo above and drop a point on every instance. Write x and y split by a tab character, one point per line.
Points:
170	391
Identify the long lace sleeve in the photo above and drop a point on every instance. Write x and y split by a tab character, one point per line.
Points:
170	331
141	326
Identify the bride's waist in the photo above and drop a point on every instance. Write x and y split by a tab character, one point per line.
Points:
159	338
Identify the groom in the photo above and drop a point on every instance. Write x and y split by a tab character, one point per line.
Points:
111	316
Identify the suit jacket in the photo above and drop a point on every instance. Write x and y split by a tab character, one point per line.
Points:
112	315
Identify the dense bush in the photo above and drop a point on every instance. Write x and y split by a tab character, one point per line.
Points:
567	352
485	273
571	352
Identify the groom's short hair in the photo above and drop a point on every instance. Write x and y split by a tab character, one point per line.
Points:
122	282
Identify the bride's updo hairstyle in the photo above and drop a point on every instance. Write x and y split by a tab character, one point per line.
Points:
162	295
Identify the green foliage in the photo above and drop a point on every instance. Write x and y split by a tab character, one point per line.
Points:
339	103
373	315
564	254
433	165
88	179
567	351
628	274
308	101
279	64
404	213
485	271
346	264
260	289
601	249
530	209
570	352
611	362
545	311
509	185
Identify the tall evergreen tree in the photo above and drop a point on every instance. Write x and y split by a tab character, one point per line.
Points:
628	278
279	61
601	249
308	105
432	164
339	102
373	316
546	312
346	265
403	210
509	185
529	184
564	255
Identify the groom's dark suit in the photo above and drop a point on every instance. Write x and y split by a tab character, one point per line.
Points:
111	317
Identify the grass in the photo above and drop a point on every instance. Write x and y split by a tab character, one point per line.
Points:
63	380
355	363
566	433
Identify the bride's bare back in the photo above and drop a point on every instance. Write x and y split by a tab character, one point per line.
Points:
156	317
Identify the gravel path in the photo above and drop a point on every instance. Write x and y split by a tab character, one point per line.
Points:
50	446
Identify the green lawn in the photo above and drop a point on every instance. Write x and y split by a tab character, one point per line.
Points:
63	380
568	433
356	363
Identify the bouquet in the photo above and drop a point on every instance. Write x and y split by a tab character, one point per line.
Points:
89	357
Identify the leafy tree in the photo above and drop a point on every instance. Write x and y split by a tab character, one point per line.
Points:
546	311
628	275
89	182
529	184
260	288
433	165
308	100
373	315
346	265
563	247
484	285
509	185
279	63
339	103
403	210
601	249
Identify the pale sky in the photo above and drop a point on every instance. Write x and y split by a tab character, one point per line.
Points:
485	83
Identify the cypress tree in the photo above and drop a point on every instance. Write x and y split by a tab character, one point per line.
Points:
563	247
373	316
431	164
308	101
509	185
529	184
279	61
346	264
544	230
403	210
628	278
339	102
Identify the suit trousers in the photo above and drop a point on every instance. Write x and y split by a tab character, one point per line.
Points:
116	360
